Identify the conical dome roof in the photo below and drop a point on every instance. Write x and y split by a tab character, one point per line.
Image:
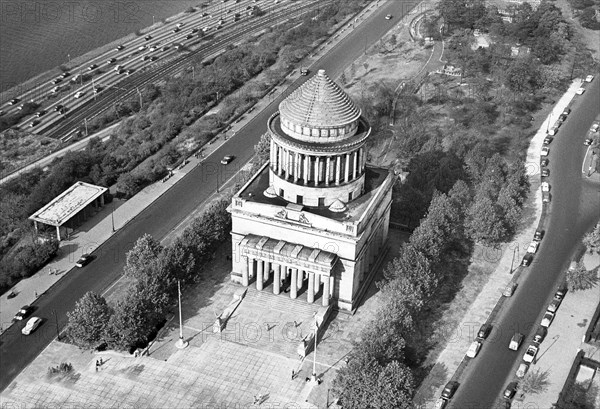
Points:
319	103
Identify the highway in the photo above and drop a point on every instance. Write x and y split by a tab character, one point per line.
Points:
17	351
574	209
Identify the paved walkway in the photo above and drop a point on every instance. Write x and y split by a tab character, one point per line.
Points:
458	339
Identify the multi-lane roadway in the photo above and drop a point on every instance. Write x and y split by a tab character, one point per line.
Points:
17	351
575	207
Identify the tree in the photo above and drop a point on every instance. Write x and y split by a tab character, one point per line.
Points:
484	223
128	184
142	256
263	148
592	240
579	278
535	381
395	387
88	320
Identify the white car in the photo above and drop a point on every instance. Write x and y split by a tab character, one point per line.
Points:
31	325
545	187
79	94
595	127
547	320
533	247
589	78
580	91
545	151
142	47
530	353
474	349
523	368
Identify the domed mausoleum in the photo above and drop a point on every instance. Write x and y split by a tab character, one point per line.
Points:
314	220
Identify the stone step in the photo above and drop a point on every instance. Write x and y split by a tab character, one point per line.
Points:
282	302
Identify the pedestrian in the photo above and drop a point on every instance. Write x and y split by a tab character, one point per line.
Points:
35	294
293	374
101	361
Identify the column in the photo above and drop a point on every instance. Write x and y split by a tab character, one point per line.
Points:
250	267
276	278
58	233
363	158
326	290
317	167
338	169
259	274
355	166
306	169
102	200
294	284
290	167
272	155
267	271
327	167
317	282
300	278
245	280
347	169
311	288
297	166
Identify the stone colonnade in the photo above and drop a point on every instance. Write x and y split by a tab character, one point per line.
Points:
287	275
316	169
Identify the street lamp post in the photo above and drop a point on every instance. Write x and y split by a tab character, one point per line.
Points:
180	343
112	218
57	330
314	371
513	259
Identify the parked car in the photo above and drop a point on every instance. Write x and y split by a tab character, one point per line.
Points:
474	349
56	81
540	334
119	47
560	294
588	141
31	325
545	162
484	331
510	391
41	113
441	403
589	78
580	91
523	368
545	187
111	61
595	126
539	235
553	306
530	353
509	290
545	151
34	123
545	172
547	320
304	71
450	389
388	17
548	140
24	312
84	260
515	341
562	117
546	197
527	259
533	247
148	38
567	111
14	101
92	67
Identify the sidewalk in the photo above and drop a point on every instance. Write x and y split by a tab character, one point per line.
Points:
450	359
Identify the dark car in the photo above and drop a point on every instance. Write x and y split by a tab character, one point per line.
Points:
545	162
24	312
562	117
560	294
58	107
527	260
545	172
84	260
548	140
148	38
484	331
14	101
567	111
539	235
34	123
540	334
189	36
41	113
227	159
450	389
92	67
65	74
510	391
119	47
57	81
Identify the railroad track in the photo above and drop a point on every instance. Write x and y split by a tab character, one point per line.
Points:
65	128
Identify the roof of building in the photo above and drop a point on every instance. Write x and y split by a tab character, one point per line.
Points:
285	248
318	103
374	177
68	204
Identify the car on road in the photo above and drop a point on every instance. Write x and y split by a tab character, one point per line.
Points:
130	71
58	107
580	91
547	320
41	113
527	259
533	247
552	131
24	312
450	389
57	81
92	67
441	403
567	111
14	101
31	325
148	38
189	36
165	48
179	25
474	349
79	94
153	48
545	151
142	47
548	140
55	90
227	159
546	197
540	334
560	294
304	71
175	30
589	78
522	370
83	260
553	306
562	118
510	391
111	61
595	127
64	75
545	187
509	290
515	341
145	57
539	235
530	353
545	172
388	17
195	30
588	141
545	162
97	89
34	123
2	112
119	47
484	331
